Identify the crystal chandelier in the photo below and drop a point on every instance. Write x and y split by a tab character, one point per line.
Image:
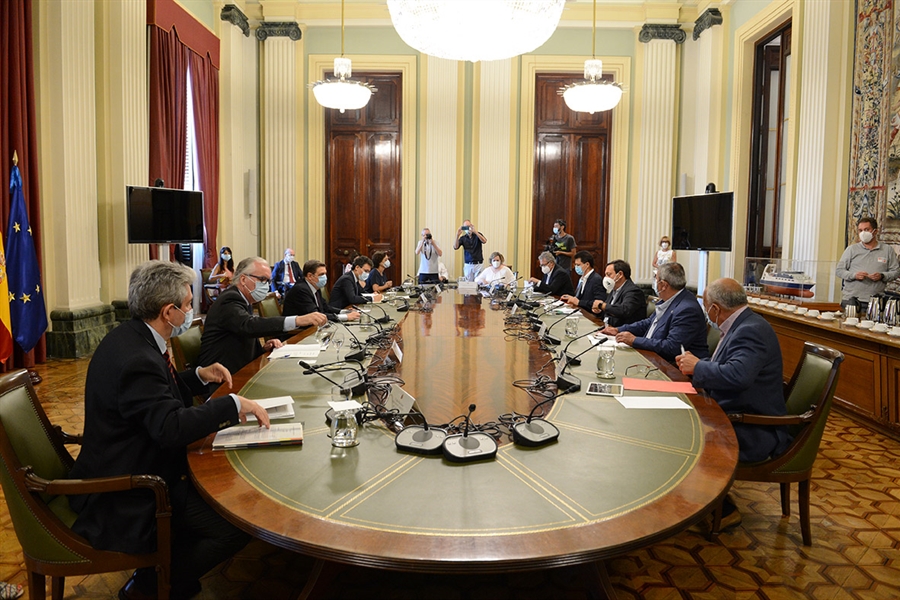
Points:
475	29
592	94
342	93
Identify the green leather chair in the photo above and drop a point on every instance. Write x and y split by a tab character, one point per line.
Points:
34	464
269	306
809	396
186	347
713	334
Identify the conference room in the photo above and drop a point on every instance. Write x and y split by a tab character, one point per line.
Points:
235	110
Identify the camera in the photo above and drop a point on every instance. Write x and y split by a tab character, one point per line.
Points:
427	236
551	245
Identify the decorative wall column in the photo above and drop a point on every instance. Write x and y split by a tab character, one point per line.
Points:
281	181
67	105
658	129
239	219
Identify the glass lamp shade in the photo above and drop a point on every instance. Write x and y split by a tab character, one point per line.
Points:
342	93
475	30
592	96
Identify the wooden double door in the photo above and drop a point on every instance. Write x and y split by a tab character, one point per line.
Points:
571	172
363	194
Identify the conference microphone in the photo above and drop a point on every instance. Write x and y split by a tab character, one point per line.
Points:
357	389
384	319
466	447
405	306
552	339
569	383
574	360
359	354
536	432
420	439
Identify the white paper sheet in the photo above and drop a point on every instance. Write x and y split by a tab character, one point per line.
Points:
658	402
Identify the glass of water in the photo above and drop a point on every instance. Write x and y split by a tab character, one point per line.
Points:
606	362
572	326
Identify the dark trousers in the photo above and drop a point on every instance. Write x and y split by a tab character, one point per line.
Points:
429	278
201	539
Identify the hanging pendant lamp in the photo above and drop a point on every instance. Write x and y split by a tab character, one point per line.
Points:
592	94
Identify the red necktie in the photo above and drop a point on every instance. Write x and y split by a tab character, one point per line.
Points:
171	367
290	270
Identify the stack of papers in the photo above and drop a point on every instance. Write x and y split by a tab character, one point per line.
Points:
651	402
281	407
255	437
296	351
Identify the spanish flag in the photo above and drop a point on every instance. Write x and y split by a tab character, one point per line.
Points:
6	342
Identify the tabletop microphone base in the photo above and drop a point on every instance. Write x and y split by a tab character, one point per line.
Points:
572	360
476	446
551	340
418	440
359	355
567	383
535	433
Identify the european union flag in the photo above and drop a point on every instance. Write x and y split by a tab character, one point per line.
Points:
26	298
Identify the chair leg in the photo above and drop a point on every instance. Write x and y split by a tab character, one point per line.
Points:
37	586
785	499
57	587
716	521
804	512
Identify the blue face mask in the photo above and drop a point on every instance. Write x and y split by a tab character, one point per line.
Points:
556	231
579	270
188	319
364	276
323	281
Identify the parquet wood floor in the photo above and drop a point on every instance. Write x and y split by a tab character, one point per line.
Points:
855	553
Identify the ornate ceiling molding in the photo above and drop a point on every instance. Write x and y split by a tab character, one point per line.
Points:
269	29
233	15
709	18
657	31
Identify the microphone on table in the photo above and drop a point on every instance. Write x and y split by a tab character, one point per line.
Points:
384	319
552	339
569	383
405	306
466	447
357	389
574	360
420	439
536	432
359	354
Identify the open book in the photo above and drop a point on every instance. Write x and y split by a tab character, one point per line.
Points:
251	436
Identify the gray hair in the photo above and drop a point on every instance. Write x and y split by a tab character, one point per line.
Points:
727	293
673	274
155	284
246	264
547	257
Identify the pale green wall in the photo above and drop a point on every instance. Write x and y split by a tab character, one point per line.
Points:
203	10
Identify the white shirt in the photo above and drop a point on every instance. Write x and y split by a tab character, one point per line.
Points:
491	275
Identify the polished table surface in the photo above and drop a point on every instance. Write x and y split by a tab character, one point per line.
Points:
616	480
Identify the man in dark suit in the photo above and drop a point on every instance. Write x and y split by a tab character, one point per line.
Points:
349	287
306	297
625	302
678	323
590	285
285	274
556	281
745	374
231	332
139	419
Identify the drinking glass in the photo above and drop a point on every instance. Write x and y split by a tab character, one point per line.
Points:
338	343
572	326
606	362
324	335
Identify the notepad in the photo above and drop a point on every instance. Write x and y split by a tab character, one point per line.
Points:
656	385
283	434
281	407
295	351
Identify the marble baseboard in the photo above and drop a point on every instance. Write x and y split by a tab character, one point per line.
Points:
122	312
77	333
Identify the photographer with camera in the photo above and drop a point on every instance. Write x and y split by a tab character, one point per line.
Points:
471	240
561	245
429	258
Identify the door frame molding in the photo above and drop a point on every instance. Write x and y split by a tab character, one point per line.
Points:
620	68
319	64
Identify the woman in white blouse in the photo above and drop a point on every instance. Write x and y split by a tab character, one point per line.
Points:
497	272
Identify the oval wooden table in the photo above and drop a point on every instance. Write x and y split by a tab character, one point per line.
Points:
616	480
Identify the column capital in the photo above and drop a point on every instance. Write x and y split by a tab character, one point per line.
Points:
658	31
233	15
288	29
709	18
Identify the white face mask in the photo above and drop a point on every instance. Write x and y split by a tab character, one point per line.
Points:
188	319
364	276
665	245
259	291
545	269
865	236
288	258
386	264
496	264
608	284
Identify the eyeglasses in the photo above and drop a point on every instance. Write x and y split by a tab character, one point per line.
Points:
641	371
259	278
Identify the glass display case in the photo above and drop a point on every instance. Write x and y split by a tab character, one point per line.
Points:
803	281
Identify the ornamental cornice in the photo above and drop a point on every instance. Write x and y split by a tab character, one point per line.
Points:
659	31
709	18
269	29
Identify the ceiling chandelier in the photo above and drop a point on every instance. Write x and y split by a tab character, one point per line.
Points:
592	94
340	91
475	30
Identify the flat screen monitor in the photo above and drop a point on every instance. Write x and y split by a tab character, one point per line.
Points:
164	215
702	222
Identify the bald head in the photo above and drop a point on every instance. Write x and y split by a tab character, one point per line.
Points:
727	293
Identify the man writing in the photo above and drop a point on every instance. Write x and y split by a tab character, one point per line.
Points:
471	242
625	301
231	332
139	419
306	297
677	323
590	286
744	375
866	267
555	281
349	288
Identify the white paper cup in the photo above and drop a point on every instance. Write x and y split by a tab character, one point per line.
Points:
802	310
866	323
812	313
854	321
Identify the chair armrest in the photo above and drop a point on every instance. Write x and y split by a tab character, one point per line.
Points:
751	419
68	487
68	438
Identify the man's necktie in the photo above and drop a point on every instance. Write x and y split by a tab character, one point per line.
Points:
290	270
171	367
320	302
580	287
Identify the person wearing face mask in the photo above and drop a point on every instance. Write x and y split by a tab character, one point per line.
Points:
744	375
562	245
496	273
677	323
625	301
349	289
285	274
139	419
231	332
555	281
664	255
471	241
378	281
306	297
866	267
590	283
223	272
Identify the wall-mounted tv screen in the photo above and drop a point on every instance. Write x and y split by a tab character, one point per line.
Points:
702	222
164	215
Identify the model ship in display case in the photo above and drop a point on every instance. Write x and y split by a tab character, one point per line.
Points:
787	283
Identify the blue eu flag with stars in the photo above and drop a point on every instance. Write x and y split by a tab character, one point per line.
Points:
26	296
